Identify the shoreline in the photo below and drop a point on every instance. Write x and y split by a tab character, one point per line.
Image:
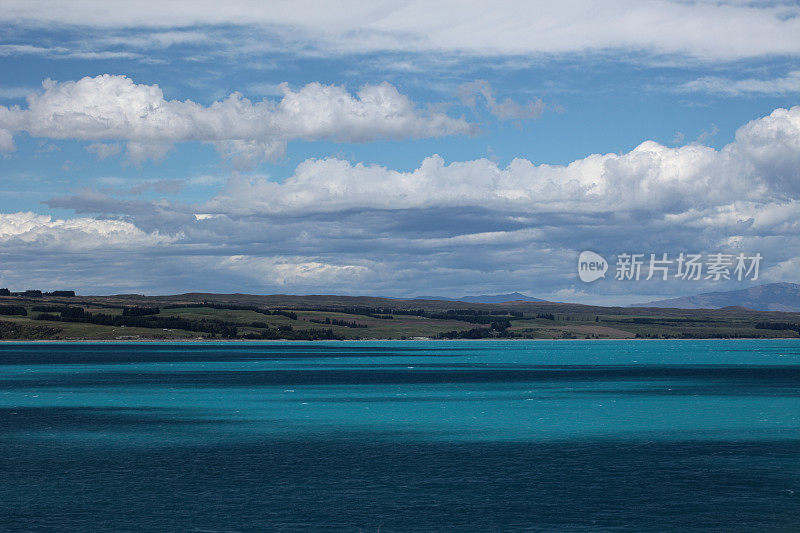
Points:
285	341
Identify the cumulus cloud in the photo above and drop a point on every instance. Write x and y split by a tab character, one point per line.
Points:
334	226
457	224
744	87
26	230
508	109
112	107
696	29
760	164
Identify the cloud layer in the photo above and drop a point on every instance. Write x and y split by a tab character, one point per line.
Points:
513	27
335	226
109	107
788	84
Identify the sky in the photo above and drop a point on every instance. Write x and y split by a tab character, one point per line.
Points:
396	148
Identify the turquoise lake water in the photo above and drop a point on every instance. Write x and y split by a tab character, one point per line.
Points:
401	436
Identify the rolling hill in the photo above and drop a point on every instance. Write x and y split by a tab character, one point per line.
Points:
771	297
485	298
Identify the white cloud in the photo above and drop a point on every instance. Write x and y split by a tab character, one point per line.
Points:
512	27
27	49
111	107
335	226
784	270
508	109
103	150
140	151
568	295
63	52
464	223
770	147
6	141
156	39
293	271
760	165
42	232
749	86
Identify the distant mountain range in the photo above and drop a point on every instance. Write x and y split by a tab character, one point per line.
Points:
770	297
485	298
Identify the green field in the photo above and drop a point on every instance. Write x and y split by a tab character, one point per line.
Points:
240	316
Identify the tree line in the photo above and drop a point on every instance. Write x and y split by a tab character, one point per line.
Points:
337	322
235	307
478	333
778	326
289	333
36	293
140	311
203	325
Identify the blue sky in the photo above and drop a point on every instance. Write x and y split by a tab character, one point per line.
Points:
394	148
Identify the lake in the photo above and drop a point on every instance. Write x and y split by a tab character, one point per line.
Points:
662	435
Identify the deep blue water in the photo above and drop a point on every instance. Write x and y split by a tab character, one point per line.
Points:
401	436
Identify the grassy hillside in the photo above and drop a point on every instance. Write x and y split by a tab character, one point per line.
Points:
244	316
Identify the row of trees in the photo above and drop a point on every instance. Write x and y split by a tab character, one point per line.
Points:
235	307
13	310
203	325
471	318
36	293
474	316
140	311
289	333
337	322
214	305
778	326
478	333
388	312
